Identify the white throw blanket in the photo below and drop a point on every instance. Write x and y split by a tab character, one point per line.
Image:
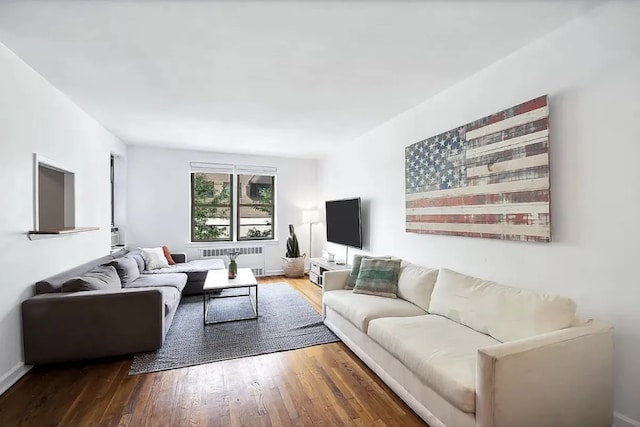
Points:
189	267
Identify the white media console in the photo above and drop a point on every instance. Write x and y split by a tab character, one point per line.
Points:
320	265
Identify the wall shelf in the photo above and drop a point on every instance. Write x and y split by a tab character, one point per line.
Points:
44	234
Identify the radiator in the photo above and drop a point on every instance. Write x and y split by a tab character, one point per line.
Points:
250	257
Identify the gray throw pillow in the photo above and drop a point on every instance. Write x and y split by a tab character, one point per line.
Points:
99	278
378	277
137	256
355	269
127	269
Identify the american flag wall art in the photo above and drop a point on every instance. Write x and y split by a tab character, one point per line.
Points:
488	178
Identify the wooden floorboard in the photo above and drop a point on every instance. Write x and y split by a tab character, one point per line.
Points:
324	385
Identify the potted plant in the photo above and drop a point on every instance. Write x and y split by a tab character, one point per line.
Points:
293	262
233	266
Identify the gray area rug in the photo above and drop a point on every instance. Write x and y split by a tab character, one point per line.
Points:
286	321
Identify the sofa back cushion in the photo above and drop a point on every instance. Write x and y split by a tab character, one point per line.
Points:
127	269
504	312
100	278
415	284
136	255
54	283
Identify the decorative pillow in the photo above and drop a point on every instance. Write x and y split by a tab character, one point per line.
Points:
167	255
99	278
355	269
378	277
137	257
154	258
127	269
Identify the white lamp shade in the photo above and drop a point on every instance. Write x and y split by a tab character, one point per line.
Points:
310	216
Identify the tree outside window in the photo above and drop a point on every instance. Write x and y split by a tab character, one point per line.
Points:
211	208
255	207
231	207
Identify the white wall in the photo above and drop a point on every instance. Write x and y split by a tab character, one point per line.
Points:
591	70
158	199
37	118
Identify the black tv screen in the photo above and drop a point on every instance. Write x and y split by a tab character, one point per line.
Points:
343	222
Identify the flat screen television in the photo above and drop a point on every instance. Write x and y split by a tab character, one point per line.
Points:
343	222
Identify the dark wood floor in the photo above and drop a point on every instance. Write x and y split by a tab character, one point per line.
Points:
317	386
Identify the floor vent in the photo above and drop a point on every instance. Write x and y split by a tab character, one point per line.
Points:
219	252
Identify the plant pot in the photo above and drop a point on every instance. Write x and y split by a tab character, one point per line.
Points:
293	267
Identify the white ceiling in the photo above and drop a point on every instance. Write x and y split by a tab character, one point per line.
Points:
283	78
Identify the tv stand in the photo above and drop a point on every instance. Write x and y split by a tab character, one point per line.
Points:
320	265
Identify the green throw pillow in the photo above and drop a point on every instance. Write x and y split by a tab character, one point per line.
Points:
378	277
355	269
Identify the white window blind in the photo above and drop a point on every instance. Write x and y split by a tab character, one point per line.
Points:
230	169
211	167
256	170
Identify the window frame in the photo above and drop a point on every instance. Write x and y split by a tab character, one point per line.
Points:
193	207
239	205
234	171
113	199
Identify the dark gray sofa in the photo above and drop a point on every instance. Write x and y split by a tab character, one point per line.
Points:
196	276
65	326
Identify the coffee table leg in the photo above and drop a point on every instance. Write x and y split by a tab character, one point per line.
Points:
204	308
256	301
254	306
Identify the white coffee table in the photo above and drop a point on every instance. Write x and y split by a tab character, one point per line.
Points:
218	280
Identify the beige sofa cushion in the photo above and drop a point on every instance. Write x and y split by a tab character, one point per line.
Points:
415	283
360	309
440	352
503	312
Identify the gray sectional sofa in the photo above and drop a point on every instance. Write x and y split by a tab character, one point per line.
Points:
129	316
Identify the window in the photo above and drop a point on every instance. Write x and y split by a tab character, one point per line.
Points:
113	210
232	203
255	207
211	207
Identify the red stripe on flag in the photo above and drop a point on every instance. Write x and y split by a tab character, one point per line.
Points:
534	104
512	219
525	107
482	199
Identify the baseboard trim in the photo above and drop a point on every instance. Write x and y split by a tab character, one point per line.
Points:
274	273
620	420
11	377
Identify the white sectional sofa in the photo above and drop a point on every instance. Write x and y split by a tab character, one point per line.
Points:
462	351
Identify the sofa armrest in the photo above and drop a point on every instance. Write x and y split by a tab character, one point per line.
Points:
179	257
333	280
561	378
69	326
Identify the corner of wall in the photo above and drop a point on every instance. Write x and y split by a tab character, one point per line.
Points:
620	420
12	377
